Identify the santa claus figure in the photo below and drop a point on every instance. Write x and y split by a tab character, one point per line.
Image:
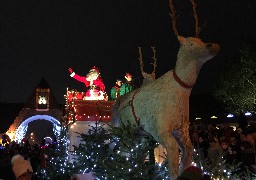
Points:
93	81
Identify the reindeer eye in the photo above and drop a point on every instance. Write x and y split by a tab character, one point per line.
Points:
191	44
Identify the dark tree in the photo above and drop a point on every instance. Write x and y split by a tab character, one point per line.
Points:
237	83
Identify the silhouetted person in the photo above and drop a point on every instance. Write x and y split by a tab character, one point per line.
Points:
242	122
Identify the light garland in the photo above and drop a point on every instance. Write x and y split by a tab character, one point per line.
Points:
22	129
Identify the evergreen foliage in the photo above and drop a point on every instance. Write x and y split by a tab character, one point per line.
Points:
223	170
121	152
237	84
116	153
56	163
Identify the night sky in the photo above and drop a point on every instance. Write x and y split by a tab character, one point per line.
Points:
43	38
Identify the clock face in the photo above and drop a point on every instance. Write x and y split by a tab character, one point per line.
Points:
42	100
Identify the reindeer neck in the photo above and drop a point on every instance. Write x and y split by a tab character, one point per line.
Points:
186	69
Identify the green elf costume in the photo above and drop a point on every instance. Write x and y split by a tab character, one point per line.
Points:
115	91
128	85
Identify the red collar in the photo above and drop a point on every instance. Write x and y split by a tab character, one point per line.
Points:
181	83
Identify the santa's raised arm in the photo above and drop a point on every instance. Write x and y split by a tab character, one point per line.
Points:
92	80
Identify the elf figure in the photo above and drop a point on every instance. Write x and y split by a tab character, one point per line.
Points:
127	86
115	91
92	80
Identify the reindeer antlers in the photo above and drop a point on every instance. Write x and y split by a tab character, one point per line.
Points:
197	29
174	18
154	57
141	60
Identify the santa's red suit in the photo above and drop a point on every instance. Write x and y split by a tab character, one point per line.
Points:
96	87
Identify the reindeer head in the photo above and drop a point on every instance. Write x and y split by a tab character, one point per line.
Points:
149	76
193	47
196	49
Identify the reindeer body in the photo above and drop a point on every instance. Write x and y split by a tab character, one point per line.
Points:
162	106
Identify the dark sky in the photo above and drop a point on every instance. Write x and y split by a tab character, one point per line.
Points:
43	38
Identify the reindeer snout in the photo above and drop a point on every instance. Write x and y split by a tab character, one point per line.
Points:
213	48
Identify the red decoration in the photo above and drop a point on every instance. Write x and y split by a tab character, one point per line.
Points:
88	110
97	69
181	83
128	75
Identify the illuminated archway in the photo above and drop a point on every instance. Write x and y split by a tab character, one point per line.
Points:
22	129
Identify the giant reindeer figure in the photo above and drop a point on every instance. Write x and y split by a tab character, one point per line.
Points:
162	106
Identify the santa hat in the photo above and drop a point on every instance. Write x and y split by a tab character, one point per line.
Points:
20	165
128	75
95	68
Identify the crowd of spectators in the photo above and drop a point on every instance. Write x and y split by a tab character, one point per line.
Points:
226	145
36	154
214	146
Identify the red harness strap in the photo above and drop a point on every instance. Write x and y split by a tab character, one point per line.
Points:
133	112
181	83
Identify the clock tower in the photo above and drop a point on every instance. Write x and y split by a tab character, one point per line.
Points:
41	116
42	99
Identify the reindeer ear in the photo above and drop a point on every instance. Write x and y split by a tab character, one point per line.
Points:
154	75
181	39
144	74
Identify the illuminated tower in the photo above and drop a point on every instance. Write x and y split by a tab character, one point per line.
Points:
40	110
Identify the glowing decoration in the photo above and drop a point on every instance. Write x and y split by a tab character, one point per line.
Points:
59	162
214	117
248	114
42	99
22	129
48	140
85	110
230	115
93	81
11	135
197	118
234	128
